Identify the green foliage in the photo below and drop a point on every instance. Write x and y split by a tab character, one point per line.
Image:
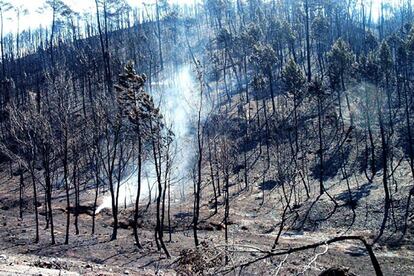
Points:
59	7
251	34
281	31
263	56
293	77
385	58
340	59
134	103
316	89
370	68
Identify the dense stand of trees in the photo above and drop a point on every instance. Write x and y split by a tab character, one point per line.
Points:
322	96
303	91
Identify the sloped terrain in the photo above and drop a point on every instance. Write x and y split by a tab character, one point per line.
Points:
253	227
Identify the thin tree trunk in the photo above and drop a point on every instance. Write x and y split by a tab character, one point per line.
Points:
136	213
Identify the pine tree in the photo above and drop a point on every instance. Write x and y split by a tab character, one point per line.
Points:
340	59
138	106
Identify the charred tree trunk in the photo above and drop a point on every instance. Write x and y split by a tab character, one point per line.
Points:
139	173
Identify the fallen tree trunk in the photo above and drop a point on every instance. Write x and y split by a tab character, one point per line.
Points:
374	261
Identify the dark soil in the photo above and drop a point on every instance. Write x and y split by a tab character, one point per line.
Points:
252	231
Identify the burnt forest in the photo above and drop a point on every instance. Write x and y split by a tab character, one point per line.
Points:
207	137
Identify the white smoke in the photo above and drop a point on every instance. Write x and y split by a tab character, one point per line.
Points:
128	192
177	95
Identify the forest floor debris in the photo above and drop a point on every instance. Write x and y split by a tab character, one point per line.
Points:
250	233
